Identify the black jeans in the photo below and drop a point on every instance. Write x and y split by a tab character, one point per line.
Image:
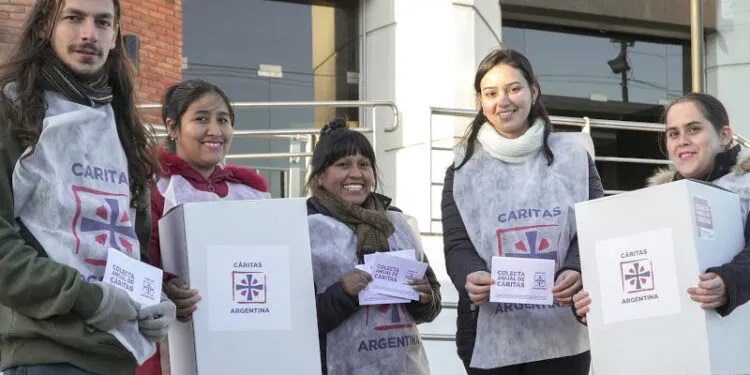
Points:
574	365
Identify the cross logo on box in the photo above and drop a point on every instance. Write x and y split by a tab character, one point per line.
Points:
637	276
249	287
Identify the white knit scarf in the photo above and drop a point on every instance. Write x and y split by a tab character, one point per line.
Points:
512	150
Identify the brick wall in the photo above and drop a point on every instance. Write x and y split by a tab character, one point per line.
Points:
12	17
158	23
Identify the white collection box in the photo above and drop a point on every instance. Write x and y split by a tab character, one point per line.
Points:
640	252
250	261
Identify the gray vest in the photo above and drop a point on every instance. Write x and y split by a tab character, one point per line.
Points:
523	210
740	184
80	170
379	339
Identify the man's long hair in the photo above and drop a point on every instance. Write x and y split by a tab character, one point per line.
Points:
24	112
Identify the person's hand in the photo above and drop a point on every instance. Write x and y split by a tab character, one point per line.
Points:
354	281
581	302
423	287
115	309
711	292
568	282
154	321
184	298
478	286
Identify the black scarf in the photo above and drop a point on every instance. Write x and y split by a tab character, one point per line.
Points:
58	77
368	221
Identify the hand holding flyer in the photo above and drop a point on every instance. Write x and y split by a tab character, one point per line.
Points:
369	297
391	273
142	281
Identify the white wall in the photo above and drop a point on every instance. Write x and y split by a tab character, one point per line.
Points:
422	54
728	61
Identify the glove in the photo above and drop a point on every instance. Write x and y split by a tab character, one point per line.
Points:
154	321
115	309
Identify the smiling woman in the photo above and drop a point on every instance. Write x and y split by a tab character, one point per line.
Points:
200	122
699	143
347	221
506	98
510	193
202	134
347	167
697	130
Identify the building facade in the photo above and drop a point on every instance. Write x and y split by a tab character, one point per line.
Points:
607	59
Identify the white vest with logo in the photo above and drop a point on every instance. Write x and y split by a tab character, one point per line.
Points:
73	194
523	210
378	339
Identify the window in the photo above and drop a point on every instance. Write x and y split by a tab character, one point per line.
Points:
574	64
260	51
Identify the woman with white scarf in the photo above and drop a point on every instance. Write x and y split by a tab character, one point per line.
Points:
510	192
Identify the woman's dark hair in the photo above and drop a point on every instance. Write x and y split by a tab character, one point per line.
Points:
337	141
513	58
25	113
710	107
179	97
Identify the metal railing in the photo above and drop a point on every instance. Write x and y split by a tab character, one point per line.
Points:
316	104
584	123
308	136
